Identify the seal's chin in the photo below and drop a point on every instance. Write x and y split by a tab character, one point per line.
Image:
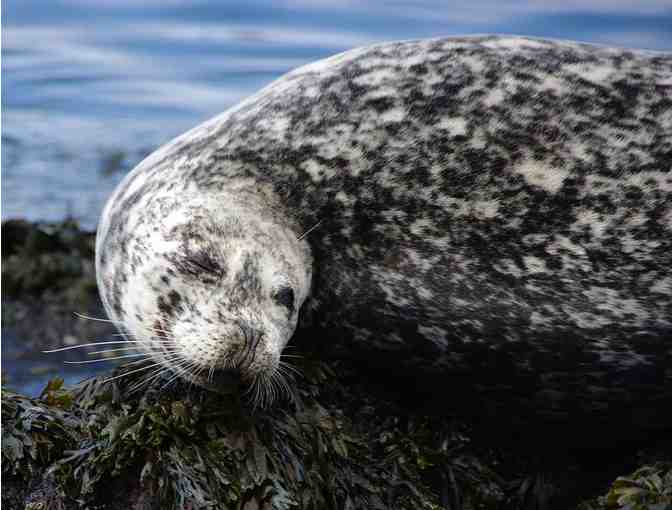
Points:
228	380
259	386
223	380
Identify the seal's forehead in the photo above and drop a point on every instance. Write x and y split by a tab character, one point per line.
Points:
203	228
203	248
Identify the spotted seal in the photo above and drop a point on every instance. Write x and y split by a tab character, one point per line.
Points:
497	206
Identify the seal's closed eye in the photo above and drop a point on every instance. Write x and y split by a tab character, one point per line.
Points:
203	262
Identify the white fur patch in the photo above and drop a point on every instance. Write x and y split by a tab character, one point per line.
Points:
454	125
539	174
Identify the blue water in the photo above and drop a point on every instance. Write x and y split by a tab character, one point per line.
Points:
29	372
91	86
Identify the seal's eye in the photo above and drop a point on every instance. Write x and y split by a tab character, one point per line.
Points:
285	297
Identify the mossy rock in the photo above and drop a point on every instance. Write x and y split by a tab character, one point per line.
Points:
326	445
47	274
186	448
45	257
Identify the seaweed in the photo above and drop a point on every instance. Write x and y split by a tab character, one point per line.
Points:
187	448
648	488
325	445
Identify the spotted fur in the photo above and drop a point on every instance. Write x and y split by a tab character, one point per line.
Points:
484	201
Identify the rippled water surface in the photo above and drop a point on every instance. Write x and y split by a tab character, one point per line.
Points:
91	86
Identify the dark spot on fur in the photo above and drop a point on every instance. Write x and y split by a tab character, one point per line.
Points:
247	279
160	328
169	307
175	298
381	104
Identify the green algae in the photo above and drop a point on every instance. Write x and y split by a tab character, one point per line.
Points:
324	446
193	449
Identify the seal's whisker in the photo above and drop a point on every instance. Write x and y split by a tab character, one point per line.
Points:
136	362
145	382
275	379
164	338
270	389
287	379
159	337
192	372
179	369
146	355
287	366
154	374
144	360
142	382
277	390
144	347
267	387
82	316
111	342
309	231
286	384
254	390
196	374
261	393
160	330
131	372
176	374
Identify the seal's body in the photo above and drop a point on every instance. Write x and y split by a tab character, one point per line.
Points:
498	206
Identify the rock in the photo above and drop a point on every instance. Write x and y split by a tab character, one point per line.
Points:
333	442
47	275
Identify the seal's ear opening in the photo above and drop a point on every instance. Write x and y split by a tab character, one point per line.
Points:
284	296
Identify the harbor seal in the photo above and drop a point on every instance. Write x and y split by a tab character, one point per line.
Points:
498	208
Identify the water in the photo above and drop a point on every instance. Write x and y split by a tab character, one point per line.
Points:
29	372
91	86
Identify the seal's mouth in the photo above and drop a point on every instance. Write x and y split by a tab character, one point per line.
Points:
224	377
232	374
223	380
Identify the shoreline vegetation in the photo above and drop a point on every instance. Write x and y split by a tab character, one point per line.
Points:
342	439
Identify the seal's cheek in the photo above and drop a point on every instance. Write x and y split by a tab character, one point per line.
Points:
170	304
201	344
277	333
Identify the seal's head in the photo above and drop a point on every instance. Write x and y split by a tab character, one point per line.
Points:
210	285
